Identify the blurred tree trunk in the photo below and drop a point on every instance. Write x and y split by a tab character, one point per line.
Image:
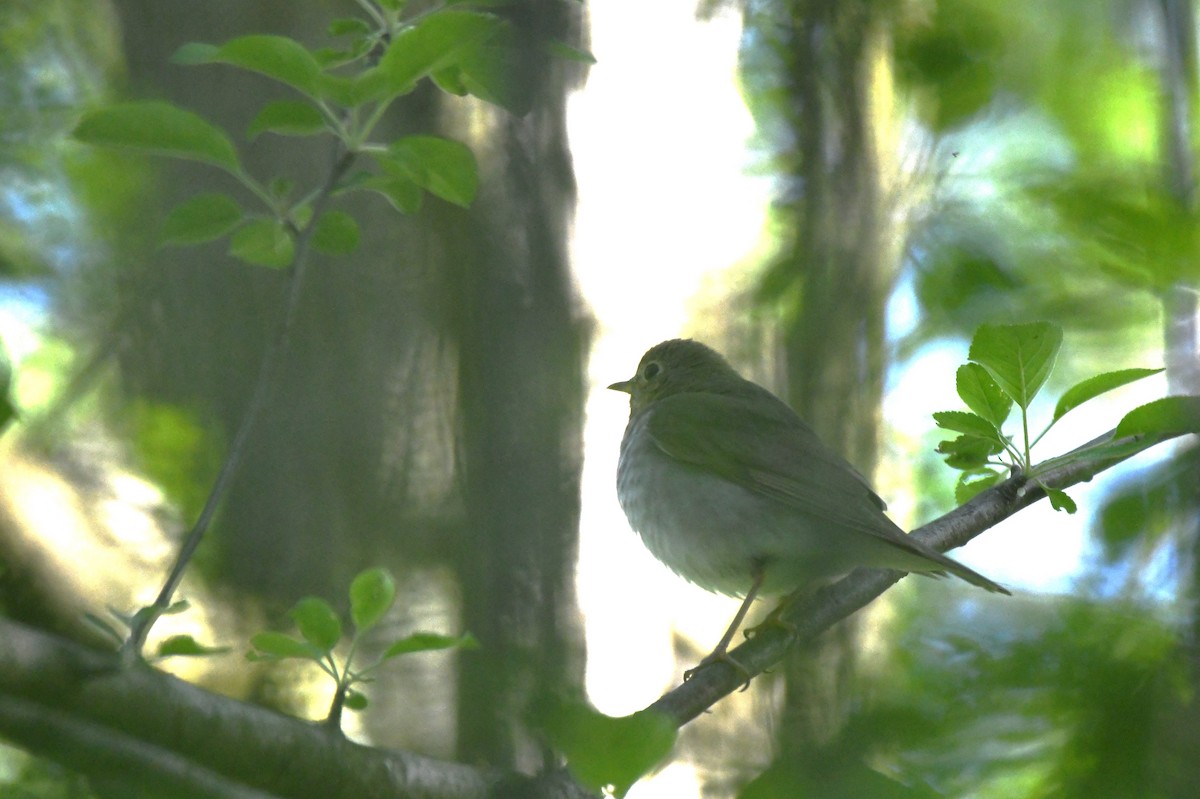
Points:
520	400
838	271
431	407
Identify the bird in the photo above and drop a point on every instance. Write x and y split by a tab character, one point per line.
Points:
733	491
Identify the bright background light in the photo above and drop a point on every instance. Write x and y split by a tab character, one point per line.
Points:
661	142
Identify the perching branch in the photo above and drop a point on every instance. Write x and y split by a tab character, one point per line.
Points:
813	614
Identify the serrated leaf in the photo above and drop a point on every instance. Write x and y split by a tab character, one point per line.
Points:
372	593
287	118
277	646
1093	387
982	394
429	642
263	242
336	233
187	646
317	622
204	217
278	57
1166	416
967	423
1018	357
971	483
1060	501
159	128
441	166
605	751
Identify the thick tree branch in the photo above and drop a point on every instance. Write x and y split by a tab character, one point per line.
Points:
133	725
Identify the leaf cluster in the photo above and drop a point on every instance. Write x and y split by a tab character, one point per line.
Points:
372	595
342	92
1008	365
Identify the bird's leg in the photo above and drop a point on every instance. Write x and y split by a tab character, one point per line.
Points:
720	651
773	618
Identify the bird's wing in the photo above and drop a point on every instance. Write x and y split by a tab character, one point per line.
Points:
759	443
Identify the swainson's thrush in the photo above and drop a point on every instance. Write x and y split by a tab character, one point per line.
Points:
730	488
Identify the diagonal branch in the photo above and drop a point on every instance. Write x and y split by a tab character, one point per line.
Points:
811	615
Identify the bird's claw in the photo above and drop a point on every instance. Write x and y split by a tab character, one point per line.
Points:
721	656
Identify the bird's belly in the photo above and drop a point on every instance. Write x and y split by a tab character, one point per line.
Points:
714	532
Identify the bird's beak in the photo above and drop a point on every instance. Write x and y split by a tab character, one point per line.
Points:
624	385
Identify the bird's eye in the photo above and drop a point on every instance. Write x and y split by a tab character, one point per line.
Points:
651	371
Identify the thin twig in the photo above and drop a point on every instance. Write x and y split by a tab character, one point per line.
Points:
268	376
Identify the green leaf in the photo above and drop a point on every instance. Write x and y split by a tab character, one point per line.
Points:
277	57
491	72
202	218
441	166
177	607
604	751
433	43
569	53
982	394
1018	357
1060	501
159	128
968	423
404	195
263	242
428	642
1093	387
371	596
318	623
277	646
969	452
451	81
287	118
1169	415
971	483
187	646
336	233
348	26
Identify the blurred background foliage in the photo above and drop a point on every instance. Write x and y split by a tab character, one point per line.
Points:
977	160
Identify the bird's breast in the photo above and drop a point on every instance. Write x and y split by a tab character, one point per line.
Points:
709	530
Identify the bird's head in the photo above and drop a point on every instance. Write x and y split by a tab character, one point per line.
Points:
675	367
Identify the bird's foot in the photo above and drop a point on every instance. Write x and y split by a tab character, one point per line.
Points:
720	655
774	620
